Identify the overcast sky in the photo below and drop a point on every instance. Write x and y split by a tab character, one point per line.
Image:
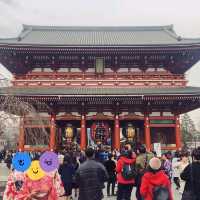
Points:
183	14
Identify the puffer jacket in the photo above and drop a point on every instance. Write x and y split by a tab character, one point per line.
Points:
150	180
90	178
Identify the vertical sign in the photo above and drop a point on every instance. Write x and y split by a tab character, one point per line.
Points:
157	149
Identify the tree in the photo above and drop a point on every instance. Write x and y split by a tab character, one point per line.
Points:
187	128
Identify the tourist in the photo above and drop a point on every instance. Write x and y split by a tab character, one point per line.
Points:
111	167
175	170
76	165
67	171
180	166
41	189
90	177
60	158
82	157
8	160
14	186
167	165
57	184
1	156
142	160
125	184
191	175
155	181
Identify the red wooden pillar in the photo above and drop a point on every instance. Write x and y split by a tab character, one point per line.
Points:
83	141
177	132
52	132
21	135
113	139
147	133
117	133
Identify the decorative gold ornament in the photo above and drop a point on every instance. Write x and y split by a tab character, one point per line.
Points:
130	132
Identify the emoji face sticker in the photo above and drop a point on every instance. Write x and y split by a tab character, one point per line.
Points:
21	161
49	161
35	172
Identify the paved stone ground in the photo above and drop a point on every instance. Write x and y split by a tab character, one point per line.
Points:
4	174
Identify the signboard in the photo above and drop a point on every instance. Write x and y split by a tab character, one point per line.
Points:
157	149
166	121
99	65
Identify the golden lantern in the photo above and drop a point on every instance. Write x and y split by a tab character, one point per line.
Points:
130	132
69	132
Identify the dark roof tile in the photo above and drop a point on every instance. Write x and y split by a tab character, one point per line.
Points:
98	36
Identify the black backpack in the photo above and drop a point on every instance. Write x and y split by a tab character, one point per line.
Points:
128	171
161	193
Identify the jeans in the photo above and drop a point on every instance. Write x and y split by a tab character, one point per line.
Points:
124	191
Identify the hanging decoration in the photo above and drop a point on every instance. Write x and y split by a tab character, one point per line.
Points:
69	133
129	132
100	132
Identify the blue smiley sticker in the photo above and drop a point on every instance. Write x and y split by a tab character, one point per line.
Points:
21	161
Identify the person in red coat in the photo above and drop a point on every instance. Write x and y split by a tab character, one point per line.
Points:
124	186
153	178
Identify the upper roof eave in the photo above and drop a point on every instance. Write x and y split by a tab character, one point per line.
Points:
21	45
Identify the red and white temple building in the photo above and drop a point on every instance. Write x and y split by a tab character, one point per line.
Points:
101	85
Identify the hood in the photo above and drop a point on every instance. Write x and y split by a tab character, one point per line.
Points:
127	160
157	178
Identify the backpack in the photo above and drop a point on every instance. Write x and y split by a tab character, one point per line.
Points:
128	171
161	193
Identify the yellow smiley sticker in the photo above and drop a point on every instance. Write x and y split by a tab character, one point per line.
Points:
35	172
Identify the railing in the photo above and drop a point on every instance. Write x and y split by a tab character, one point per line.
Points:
90	75
77	79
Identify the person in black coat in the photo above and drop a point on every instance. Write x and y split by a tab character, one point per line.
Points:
191	175
67	171
90	177
110	166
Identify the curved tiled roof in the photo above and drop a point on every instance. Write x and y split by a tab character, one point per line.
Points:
98	36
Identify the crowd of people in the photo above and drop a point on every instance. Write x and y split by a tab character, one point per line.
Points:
86	172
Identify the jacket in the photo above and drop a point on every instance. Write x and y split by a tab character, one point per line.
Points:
66	171
191	174
152	179
110	167
90	178
119	167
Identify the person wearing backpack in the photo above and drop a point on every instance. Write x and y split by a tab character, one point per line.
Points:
125	175
155	184
141	164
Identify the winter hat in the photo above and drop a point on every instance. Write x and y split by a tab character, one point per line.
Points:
155	163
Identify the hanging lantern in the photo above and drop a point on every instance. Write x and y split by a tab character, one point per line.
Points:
130	132
100	132
69	133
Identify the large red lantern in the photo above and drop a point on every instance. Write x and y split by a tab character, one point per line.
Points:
100	132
